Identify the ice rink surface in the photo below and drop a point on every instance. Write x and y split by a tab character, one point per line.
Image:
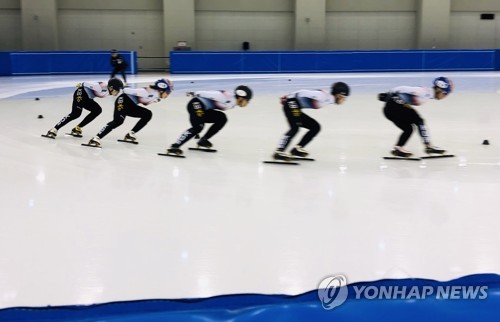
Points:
82	225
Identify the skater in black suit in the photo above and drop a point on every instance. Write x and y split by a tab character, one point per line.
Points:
398	108
292	107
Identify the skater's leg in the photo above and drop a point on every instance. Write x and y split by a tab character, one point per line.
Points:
197	114
218	118
143	113
196	127
293	116
124	75
313	126
95	109
76	111
118	119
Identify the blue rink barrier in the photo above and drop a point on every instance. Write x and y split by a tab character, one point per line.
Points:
206	62
62	62
416	303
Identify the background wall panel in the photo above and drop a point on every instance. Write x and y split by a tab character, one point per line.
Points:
263	30
370	30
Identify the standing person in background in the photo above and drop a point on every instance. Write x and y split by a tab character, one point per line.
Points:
398	108
119	65
292	107
83	98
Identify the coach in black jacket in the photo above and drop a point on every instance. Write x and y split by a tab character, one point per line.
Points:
119	64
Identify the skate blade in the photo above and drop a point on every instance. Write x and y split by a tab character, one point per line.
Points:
438	156
74	135
281	162
171	155
301	159
48	137
203	149
127	141
90	145
402	158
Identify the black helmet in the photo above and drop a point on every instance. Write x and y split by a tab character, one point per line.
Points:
115	84
340	88
243	91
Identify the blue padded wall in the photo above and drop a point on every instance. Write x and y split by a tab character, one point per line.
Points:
204	62
62	62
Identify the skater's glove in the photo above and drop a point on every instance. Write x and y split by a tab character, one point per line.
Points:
383	97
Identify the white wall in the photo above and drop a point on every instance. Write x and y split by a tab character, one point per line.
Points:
372	5
225	30
11	30
138	30
370	30
467	31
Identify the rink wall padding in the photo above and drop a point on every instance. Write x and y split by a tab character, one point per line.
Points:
413	300
62	62
239	62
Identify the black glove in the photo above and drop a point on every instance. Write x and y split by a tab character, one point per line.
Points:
383	97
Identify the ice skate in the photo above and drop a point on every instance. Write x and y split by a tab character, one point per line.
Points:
51	134
76	131
173	151
204	143
281	156
94	142
400	152
298	151
434	150
130	137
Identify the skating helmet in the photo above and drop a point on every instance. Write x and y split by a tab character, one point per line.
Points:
114	84
340	88
444	83
163	85
244	92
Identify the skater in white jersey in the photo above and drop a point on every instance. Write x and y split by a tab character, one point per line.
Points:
207	107
127	105
398	108
293	104
83	98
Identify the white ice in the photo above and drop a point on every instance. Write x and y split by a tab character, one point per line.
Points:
81	225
